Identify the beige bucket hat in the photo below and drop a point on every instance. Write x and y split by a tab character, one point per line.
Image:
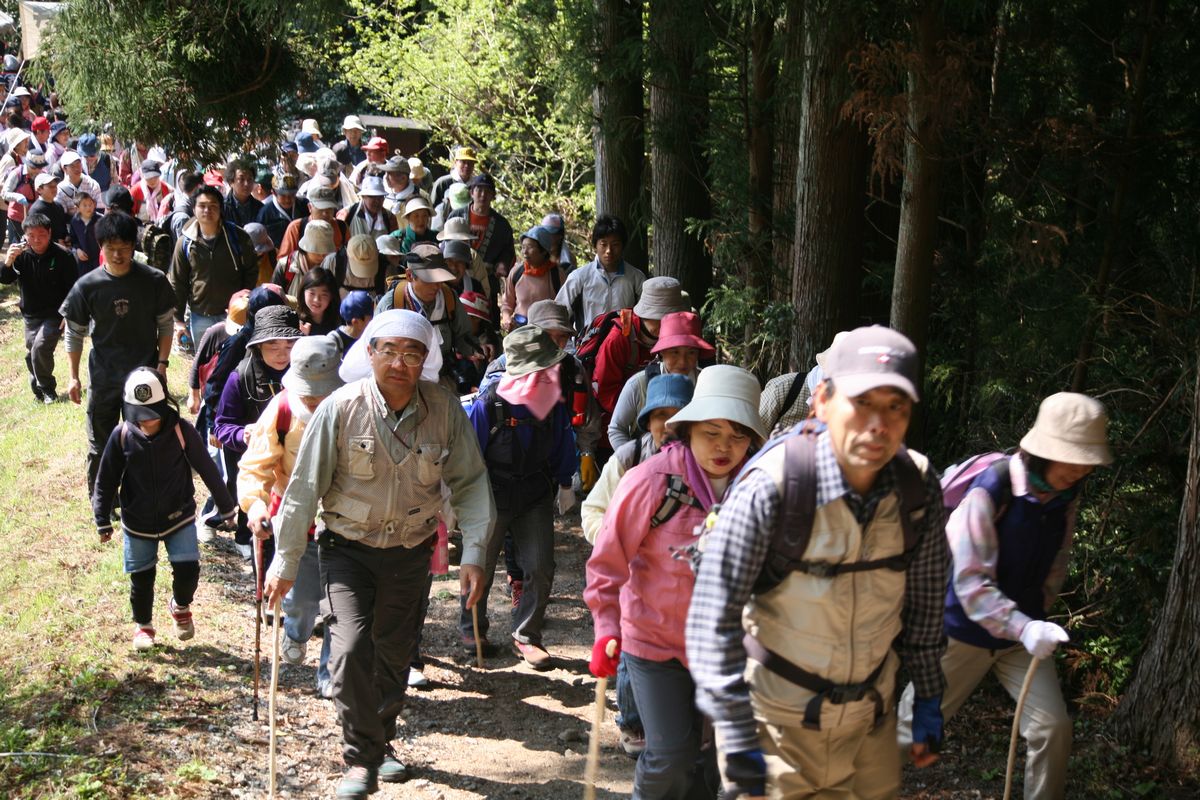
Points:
724	391
1070	428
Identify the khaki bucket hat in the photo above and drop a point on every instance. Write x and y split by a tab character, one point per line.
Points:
1070	428
724	391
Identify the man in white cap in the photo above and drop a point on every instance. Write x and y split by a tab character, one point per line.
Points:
349	150
1010	541
824	571
374	457
368	215
72	167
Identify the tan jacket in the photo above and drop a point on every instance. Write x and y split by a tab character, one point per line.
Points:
267	464
840	628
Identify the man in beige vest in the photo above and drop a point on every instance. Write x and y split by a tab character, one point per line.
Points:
796	665
375	455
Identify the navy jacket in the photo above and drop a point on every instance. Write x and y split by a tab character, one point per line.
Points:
154	476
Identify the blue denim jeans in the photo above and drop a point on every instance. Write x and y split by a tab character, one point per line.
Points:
199	323
628	718
672	767
142	554
302	605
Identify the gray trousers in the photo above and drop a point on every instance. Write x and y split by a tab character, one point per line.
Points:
103	414
41	337
532	529
672	766
374	598
1045	725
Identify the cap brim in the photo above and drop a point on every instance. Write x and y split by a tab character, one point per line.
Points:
683	340
306	387
322	204
704	409
432	274
854	385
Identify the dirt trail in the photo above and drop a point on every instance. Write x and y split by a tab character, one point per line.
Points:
503	732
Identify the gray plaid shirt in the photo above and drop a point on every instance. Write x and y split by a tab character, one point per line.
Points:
734	553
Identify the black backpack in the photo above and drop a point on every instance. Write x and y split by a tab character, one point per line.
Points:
154	240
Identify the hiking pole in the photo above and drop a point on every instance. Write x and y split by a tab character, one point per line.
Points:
593	759
1016	726
478	643
258	594
274	687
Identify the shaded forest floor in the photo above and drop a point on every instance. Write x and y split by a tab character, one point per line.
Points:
83	716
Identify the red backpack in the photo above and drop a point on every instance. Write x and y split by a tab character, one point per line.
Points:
597	331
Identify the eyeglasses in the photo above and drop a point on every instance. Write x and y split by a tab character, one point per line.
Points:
409	358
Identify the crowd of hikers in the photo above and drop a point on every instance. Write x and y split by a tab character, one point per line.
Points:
385	380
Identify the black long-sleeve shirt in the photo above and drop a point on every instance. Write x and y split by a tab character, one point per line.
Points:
45	279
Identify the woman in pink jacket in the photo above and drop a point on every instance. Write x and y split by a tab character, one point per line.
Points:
639	577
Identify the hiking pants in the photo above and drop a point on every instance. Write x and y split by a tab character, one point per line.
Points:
1045	725
103	414
41	337
672	766
532	529
374	600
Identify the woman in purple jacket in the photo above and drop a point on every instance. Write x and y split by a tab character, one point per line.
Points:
248	390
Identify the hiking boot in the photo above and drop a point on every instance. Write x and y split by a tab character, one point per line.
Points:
468	643
292	651
49	397
184	627
517	589
633	743
37	389
391	770
325	689
205	534
534	654
245	551
416	678
143	637
357	783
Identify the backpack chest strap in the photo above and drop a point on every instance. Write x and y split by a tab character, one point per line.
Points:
677	496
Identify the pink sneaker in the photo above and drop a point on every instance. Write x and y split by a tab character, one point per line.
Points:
143	638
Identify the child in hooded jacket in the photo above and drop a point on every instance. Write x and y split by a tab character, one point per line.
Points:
148	462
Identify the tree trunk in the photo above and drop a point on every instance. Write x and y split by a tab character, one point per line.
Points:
787	133
912	283
831	180
618	128
1161	710
679	109
1125	171
759	134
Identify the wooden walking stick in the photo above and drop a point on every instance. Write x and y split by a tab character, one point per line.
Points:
1016	726
258	596
593	759
478	641
274	688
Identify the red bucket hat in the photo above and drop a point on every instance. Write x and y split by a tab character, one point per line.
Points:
681	329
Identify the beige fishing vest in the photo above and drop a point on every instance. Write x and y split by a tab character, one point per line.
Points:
840	628
373	498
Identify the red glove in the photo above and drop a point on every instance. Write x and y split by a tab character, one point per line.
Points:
605	654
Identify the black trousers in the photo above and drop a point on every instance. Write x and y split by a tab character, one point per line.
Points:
375	610
103	414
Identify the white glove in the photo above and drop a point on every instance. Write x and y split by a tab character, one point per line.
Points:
566	499
1041	639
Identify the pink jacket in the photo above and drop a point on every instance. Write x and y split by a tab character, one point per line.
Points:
635	589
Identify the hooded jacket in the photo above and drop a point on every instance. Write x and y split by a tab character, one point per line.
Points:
154	476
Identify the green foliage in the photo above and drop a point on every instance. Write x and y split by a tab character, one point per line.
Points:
205	79
491	75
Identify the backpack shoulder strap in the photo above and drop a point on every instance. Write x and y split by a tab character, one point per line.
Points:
677	496
555	278
625	318
124	433
451	300
793	393
798	508
179	436
283	416
910	484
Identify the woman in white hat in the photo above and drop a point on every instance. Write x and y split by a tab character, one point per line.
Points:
418	215
639	589
1010	540
317	248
